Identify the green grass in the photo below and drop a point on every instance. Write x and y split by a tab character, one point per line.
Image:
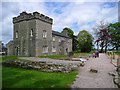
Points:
118	53
65	57
8	58
55	56
22	78
85	55
0	58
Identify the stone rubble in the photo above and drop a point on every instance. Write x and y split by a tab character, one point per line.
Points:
116	78
43	65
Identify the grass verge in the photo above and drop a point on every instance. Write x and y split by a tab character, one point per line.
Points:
22	78
8	58
118	53
55	56
84	55
65	57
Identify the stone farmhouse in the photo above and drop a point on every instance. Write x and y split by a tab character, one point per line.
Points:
33	36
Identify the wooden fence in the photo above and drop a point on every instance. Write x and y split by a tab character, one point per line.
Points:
115	59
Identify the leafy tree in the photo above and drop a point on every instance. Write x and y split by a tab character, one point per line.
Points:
70	33
85	40
103	36
114	30
75	43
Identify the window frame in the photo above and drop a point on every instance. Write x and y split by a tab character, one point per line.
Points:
16	34
53	49
31	33
45	49
53	38
44	34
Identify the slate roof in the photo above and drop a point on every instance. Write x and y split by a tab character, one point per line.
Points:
59	34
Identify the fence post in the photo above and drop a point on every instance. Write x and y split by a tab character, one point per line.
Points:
118	69
111	56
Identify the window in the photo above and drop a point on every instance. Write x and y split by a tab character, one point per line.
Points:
16	34
59	40
44	34
45	49
31	33
62	39
17	50
53	49
53	38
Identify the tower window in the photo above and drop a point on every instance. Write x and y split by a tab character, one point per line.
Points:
53	38
31	33
59	40
53	49
16	34
45	49
17	50
44	34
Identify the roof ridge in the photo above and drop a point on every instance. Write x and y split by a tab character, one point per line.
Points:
59	34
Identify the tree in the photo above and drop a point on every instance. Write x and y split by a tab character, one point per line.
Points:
85	40
114	30
103	36
70	33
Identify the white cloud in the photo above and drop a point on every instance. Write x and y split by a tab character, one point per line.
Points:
63	14
78	1
12	9
82	14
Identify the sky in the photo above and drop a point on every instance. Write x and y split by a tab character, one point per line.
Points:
75	14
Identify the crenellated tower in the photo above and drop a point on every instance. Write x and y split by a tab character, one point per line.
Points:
24	16
32	32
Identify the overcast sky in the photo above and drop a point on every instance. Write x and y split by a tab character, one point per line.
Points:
75	14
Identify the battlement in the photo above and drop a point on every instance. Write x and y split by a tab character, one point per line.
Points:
24	16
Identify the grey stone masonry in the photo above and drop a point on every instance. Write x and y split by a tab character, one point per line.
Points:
29	16
33	36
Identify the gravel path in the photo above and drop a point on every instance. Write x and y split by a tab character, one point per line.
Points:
102	79
50	60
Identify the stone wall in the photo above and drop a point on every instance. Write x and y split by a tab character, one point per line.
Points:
61	44
43	66
9	48
29	16
119	72
40	40
26	45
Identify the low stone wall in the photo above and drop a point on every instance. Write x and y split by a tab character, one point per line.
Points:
43	66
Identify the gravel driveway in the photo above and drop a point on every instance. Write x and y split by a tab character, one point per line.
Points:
102	79
51	60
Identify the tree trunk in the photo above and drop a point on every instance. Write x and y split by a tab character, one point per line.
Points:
101	49
97	46
102	46
106	46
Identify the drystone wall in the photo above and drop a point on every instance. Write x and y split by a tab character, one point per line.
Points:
43	66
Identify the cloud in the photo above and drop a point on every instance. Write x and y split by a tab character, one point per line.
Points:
77	1
12	9
82	14
76	15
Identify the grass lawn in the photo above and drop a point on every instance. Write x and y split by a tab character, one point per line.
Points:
22	78
65	57
8	58
55	56
0	58
85	55
118	53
